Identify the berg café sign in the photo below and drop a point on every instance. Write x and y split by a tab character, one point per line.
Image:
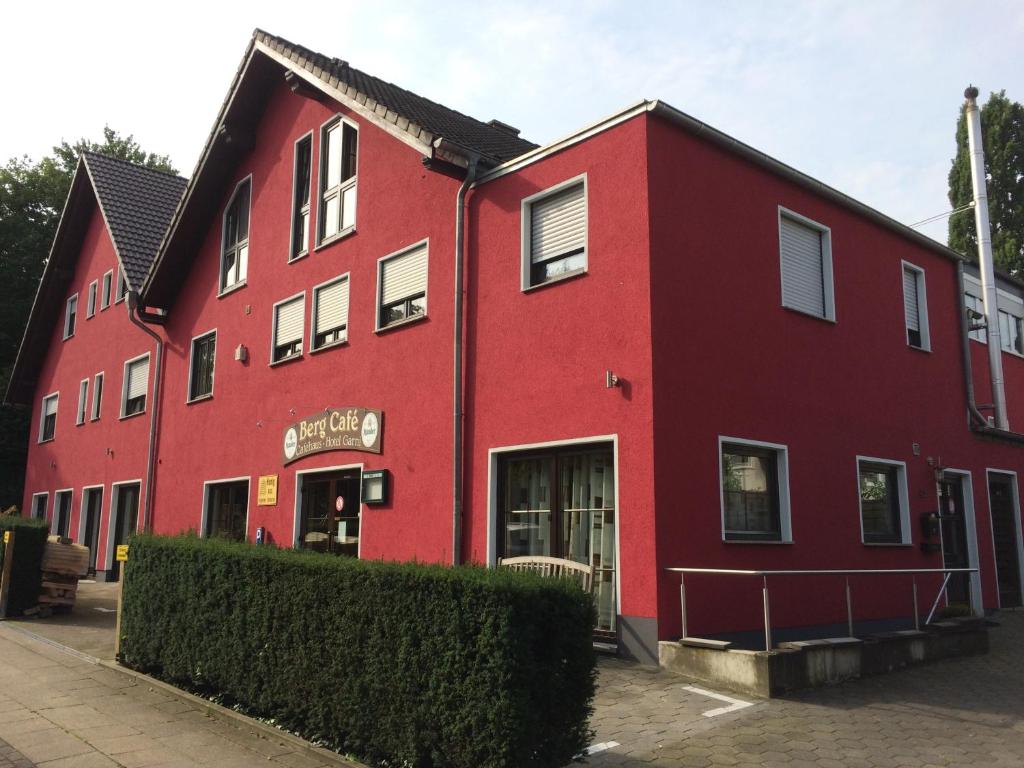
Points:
334	429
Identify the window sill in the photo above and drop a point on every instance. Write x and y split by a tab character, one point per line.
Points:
231	289
802	313
332	345
926	350
80	423
298	257
400	324
335	238
199	399
68	337
124	417
555	280
94	418
48	440
887	543
284	360
755	541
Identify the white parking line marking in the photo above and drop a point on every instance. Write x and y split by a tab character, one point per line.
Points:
105	610
734	704
602	747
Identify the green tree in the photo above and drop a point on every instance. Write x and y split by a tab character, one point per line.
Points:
32	196
1002	127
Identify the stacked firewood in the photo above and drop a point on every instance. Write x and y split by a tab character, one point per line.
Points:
64	563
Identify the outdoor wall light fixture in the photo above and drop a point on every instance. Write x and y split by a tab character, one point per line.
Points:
241	353
611	380
375	486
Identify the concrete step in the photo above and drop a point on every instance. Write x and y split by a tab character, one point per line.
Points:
706	642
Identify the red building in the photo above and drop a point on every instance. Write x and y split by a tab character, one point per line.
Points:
393	331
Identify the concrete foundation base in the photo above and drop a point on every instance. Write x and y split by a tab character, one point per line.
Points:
812	663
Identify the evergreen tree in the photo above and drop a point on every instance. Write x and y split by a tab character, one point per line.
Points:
1002	127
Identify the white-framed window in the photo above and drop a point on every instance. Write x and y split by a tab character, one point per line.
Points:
554	233
754	483
226	509
1011	332
70	316
48	418
302	181
330	314
402	286
805	257
915	307
135	387
234	259
39	503
122	286
90	308
977	305
339	150
97	396
107	287
884	501
83	401
200	366
289	323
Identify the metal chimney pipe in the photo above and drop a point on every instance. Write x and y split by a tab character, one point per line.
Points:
988	276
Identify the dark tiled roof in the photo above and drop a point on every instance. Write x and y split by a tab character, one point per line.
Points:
138	204
437	119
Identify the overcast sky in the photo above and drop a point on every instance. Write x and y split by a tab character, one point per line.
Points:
862	95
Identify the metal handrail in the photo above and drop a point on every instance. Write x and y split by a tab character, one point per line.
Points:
764	574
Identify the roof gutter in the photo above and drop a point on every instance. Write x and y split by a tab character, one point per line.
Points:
134	316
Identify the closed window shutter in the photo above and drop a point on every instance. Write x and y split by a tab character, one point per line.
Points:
50	406
332	306
138	379
404	276
289	322
803	285
558	224
910	302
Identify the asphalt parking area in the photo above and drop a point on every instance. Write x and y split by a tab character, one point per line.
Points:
963	712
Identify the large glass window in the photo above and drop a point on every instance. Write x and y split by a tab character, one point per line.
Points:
330	512
881	500
338	149
235	250
562	504
975	304
201	371
751	498
227	509
1011	336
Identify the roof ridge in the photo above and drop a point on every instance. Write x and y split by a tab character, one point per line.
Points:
137	166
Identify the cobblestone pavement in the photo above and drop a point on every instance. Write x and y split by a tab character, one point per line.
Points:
962	712
61	711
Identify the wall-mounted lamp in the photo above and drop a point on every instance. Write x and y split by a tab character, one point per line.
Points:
611	380
375	486
241	353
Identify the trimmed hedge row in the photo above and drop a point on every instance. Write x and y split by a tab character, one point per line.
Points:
26	573
400	664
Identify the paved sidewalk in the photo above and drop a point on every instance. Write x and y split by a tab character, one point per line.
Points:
59	710
953	714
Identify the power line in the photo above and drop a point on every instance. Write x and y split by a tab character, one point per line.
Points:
942	215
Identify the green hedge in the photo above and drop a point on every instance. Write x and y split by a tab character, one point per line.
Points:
399	664
26	573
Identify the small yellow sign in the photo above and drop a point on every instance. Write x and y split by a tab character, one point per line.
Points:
267	496
7	536
122	553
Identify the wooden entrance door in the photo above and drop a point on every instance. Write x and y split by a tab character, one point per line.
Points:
1005	536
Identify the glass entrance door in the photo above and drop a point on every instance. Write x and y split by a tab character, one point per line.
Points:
325	528
92	509
562	504
1004	537
955	553
62	513
126	521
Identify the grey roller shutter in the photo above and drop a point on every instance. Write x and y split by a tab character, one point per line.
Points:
138	378
803	283
332	306
404	276
911	307
558	224
290	317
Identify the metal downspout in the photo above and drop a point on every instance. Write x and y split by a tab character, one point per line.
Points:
147	504
988	278
460	244
965	346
